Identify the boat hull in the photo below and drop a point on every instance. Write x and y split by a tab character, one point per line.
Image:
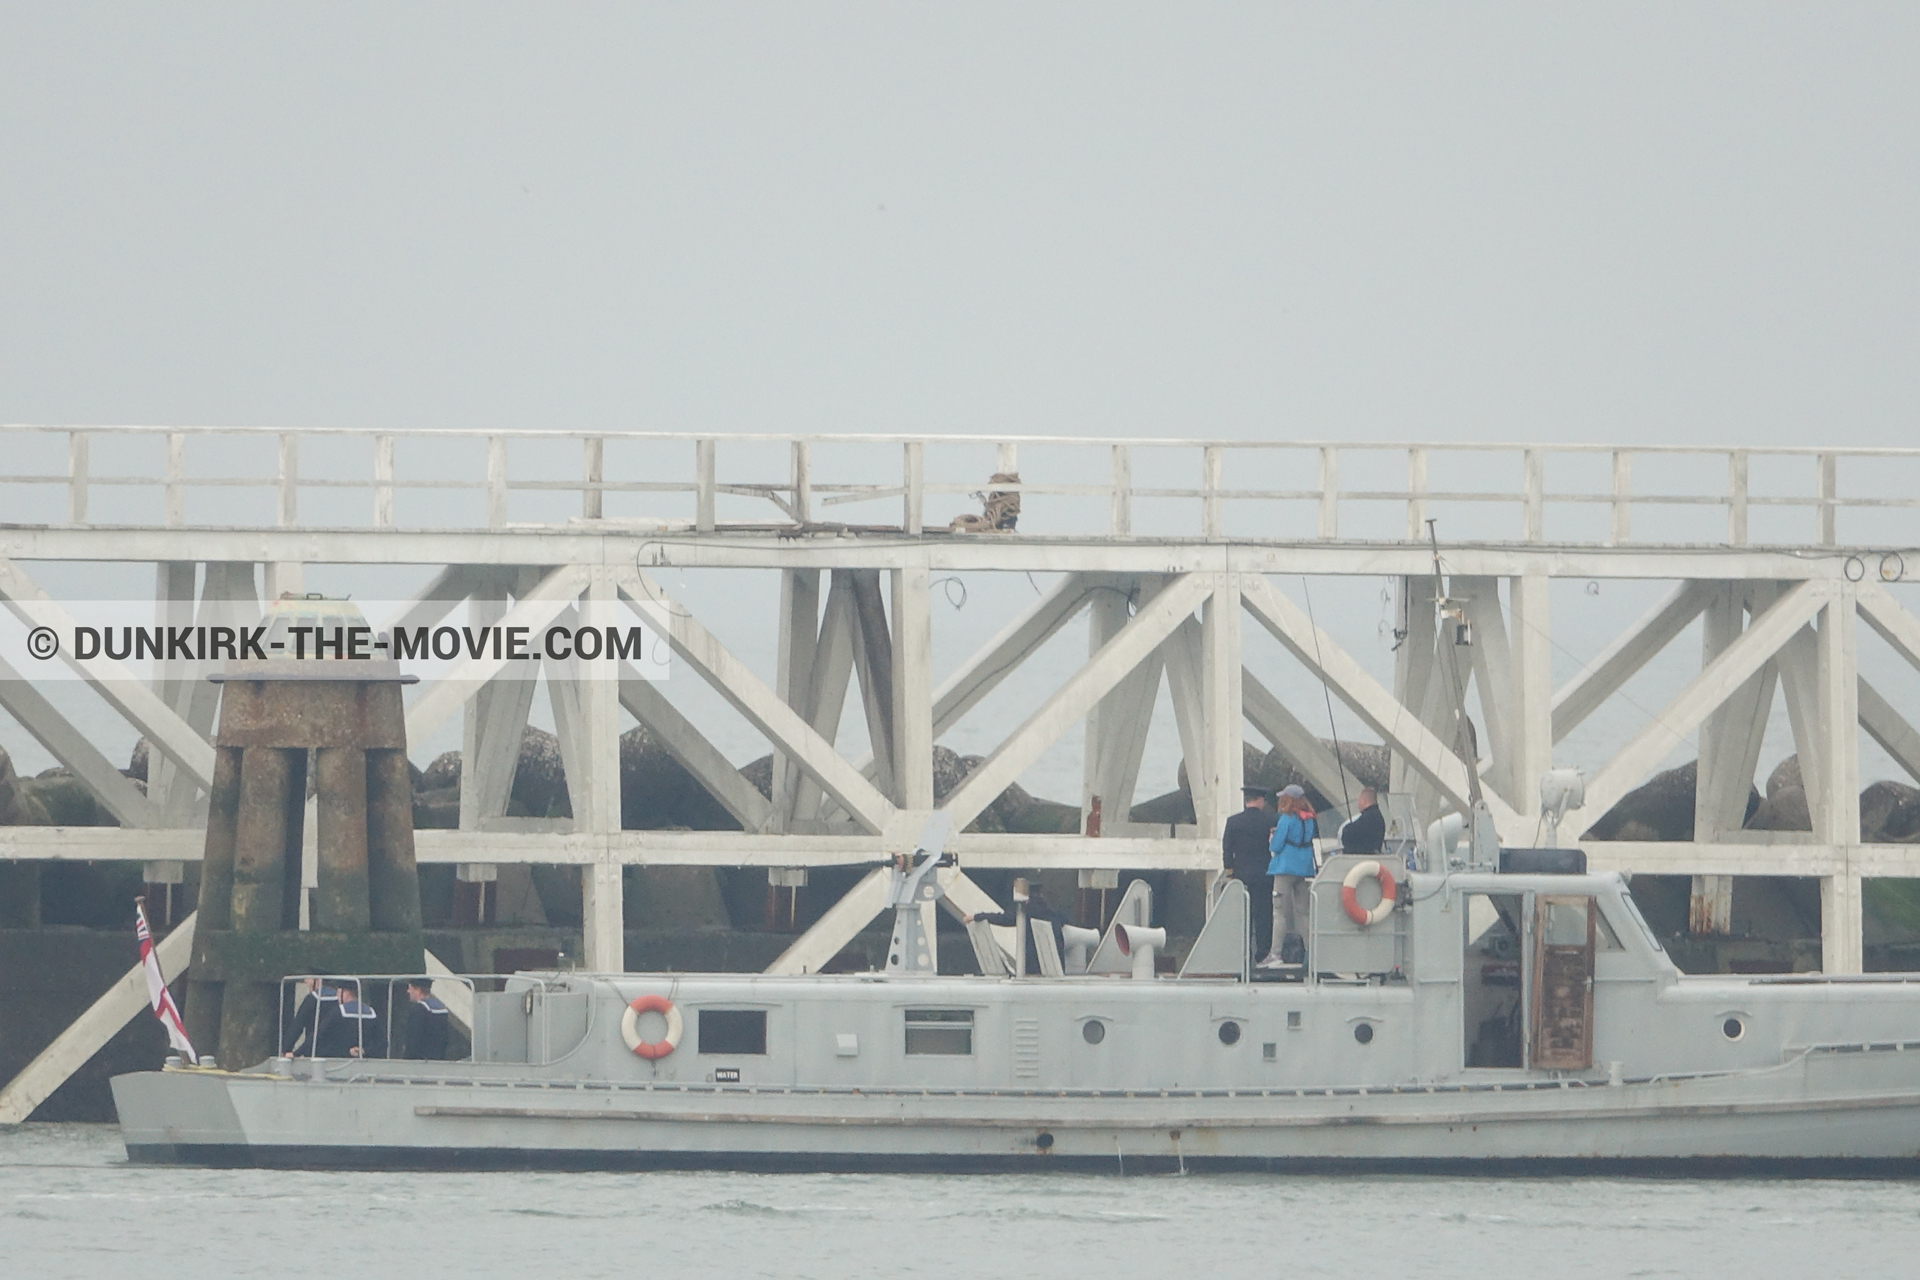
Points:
1829	1112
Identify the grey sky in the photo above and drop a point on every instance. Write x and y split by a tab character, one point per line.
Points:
1631	222
1627	223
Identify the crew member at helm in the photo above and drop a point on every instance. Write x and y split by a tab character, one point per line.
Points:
1366	831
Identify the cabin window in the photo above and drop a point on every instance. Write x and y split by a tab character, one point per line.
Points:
733	1031
1605	938
940	1032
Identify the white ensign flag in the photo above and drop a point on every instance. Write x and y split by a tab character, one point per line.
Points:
163	1006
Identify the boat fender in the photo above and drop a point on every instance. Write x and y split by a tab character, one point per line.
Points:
630	1027
1350	900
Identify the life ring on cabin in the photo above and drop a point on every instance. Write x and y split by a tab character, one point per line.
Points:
1350	899
630	1027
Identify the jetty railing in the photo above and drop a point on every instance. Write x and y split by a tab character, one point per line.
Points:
1071	487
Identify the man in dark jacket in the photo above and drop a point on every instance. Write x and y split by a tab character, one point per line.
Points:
1243	850
1367	830
427	1021
358	1033
315	1019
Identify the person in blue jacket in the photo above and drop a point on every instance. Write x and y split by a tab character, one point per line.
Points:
1292	867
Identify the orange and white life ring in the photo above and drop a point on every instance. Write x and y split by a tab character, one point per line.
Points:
1350	900
630	1027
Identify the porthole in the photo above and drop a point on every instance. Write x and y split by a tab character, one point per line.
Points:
1044	1141
1364	1033
1733	1028
1229	1032
1093	1031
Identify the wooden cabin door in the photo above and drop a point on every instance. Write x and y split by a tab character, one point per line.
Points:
1563	936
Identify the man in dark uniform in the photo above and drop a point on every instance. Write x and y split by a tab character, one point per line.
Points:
1367	830
1243	850
358	1033
316	1018
427	1021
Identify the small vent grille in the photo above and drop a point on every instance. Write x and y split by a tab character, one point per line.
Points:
1026	1048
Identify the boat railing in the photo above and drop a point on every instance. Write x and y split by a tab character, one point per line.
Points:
384	994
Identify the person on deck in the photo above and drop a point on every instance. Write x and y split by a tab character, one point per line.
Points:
1244	853
315	1018
358	1033
1366	831
427	1021
1292	869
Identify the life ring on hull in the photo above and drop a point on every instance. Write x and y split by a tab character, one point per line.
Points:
1350	899
652	1050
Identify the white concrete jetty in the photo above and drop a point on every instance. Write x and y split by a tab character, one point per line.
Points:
1785	552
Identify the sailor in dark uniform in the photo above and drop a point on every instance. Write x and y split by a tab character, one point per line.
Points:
1367	831
358	1033
1243	850
427	1021
314	1020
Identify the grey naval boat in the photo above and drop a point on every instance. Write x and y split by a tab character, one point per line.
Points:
1504	1010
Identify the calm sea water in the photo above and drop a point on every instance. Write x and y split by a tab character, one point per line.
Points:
70	1206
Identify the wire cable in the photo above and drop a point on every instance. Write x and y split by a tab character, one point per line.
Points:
1338	757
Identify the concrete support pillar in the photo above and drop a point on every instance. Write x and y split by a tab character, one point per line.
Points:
1729	752
1106	614
1116	733
1220	667
1181	653
912	688
1838	736
260	845
794	679
275	717
283	577
832	674
495	724
874	662
603	907
270	786
169	790
393	874
1495	676
1840	931
602	887
1710	906
1532	650
202	1013
1837	822
1417	684
340	904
